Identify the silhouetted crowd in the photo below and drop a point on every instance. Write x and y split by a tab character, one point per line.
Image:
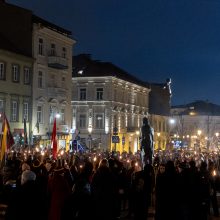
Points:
103	186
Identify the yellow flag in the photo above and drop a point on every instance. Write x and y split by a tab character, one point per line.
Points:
4	141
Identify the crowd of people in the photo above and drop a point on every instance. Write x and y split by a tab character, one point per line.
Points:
103	185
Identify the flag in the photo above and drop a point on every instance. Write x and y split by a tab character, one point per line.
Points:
6	139
25	133
54	140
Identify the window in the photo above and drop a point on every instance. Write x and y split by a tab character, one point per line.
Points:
25	109
82	121
1	106
64	52
39	114
26	75
82	95
15	73
14	111
62	116
99	121
40	46
53	50
40	79
99	93
2	71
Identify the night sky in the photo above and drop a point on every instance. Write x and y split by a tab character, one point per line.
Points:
151	39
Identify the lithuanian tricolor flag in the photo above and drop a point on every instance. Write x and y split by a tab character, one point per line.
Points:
6	140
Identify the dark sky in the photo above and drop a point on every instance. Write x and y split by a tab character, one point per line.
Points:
152	39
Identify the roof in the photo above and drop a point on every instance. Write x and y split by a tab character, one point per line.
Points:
6	44
36	19
84	66
200	106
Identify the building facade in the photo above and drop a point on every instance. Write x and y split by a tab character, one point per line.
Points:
196	125
108	106
52	74
15	92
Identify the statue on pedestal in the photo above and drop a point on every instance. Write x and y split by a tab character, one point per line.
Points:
147	140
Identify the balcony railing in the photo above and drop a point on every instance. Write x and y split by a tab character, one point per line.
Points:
57	62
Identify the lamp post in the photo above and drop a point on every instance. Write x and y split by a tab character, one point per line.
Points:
199	132
90	138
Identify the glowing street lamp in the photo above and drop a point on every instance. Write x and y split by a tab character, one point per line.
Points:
90	138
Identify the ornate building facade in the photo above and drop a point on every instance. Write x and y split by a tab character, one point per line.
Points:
52	51
108	105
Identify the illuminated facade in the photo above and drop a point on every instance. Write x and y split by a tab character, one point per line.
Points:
196	125
52	73
107	100
15	92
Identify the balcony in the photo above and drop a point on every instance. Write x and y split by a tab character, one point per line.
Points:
57	62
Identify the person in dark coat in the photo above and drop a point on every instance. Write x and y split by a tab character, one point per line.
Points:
79	204
204	191
104	192
25	200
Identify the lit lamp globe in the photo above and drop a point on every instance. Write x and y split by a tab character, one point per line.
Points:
90	130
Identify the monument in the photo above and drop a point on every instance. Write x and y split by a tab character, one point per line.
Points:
147	140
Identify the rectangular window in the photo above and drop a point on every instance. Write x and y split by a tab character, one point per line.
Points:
15	73
25	109
40	46
99	93
82	95
39	114
2	71
14	111
62	116
63	52
1	106
40	79
99	122
26	75
82	121
53	50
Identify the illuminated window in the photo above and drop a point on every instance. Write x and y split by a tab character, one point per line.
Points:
62	114
25	109
82	94
40	46
39	114
64	52
2	71
99	122
14	111
52	49
15	73
26	75
82	120
99	93
40	79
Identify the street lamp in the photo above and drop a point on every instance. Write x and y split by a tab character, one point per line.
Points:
199	132
90	138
